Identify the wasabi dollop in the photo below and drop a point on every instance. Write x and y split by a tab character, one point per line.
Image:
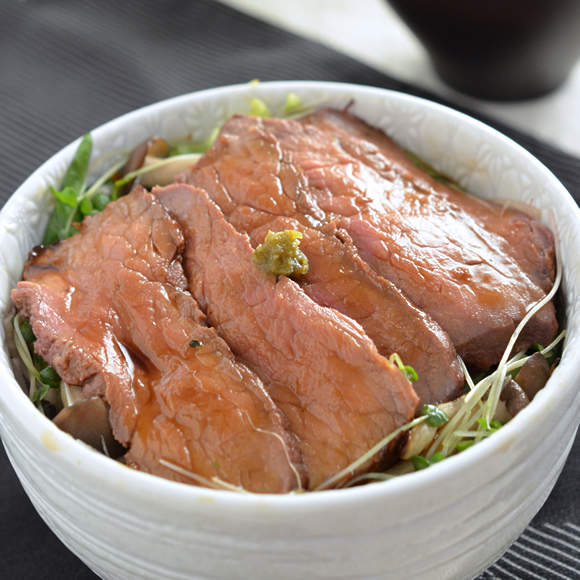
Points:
280	255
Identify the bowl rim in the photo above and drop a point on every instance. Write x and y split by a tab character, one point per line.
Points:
16	404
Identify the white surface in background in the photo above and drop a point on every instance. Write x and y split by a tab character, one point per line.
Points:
371	32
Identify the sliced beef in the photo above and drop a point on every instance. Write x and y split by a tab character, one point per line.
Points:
339	395
339	279
454	256
112	313
527	241
247	176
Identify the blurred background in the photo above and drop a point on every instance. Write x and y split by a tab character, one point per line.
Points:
374	33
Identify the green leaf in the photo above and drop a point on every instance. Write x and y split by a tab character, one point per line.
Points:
86	206
419	462
100	201
40	393
411	373
436	458
58	223
66	211
431	171
258	108
464	445
39	362
50	377
27	333
436	416
76	174
293	104
195	343
68	196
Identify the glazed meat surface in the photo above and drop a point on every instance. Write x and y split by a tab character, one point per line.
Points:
339	395
528	242
339	279
251	182
474	267
111	312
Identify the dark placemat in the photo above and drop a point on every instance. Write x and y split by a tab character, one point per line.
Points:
68	66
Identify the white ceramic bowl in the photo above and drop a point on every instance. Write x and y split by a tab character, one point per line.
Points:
449	521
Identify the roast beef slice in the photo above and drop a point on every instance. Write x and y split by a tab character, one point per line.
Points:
450	254
339	395
111	311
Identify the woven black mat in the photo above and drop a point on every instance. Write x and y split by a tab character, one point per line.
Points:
67	66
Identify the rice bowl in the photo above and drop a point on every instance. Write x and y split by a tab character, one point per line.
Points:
451	521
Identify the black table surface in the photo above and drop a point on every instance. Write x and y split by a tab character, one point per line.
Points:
68	66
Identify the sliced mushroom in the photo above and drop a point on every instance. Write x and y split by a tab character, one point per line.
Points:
88	420
165	174
533	375
152	146
515	398
501	413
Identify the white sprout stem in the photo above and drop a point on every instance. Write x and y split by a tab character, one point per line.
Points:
466	374
368	455
213	483
284	447
471	400
91	191
377	476
495	390
472	434
22	349
194	157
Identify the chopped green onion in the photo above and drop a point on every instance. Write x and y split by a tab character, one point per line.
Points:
195	343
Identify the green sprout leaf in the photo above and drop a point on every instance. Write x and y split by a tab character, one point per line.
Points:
50	377
27	333
435	416
411	373
463	445
436	458
419	462
40	393
68	195
408	371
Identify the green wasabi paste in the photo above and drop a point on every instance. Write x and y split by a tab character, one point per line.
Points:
280	255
